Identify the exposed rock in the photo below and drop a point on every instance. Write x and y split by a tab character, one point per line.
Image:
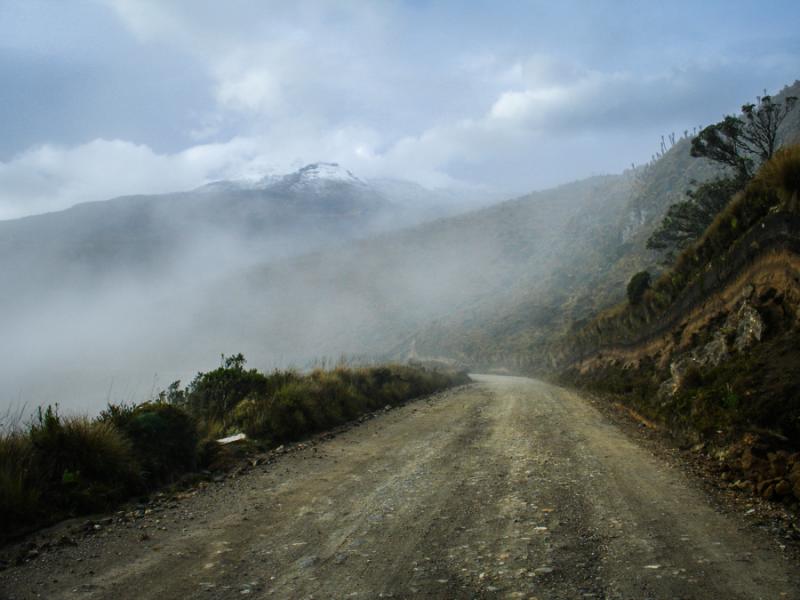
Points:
741	329
783	488
678	369
666	389
794	474
709	355
232	439
762	486
750	327
769	492
778	463
714	352
66	540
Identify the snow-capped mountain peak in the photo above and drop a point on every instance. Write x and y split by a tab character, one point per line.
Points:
313	177
317	179
329	172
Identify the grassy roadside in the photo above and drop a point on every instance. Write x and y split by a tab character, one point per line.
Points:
59	467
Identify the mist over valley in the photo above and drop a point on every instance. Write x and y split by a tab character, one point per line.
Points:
399	299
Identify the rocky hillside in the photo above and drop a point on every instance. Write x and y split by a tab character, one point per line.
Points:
712	351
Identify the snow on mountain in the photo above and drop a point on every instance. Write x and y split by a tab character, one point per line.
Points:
313	178
328	171
318	178
404	202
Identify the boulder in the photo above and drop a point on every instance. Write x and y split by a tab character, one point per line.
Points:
794	473
769	492
749	328
714	352
783	488
778	463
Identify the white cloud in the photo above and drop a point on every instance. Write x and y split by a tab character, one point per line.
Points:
252	90
379	88
51	177
147	20
523	105
537	109
311	58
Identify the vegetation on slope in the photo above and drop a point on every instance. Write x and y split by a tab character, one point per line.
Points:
597	252
774	189
740	144
731	386
64	466
745	390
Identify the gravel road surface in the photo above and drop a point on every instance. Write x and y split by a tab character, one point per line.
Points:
507	488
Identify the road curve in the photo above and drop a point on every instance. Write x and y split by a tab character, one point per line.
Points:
507	488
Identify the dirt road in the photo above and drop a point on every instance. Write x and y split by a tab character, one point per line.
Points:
509	488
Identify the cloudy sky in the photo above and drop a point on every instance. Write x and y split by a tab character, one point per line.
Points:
107	97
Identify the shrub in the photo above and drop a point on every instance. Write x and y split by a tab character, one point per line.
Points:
252	416
80	465
19	496
637	286
213	395
164	437
70	465
284	413
297	405
783	173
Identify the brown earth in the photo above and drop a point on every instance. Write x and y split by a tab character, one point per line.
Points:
772	274
509	488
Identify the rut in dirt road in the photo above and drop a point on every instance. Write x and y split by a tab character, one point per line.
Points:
508	488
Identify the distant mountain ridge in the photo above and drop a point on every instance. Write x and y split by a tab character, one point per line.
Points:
275	217
104	294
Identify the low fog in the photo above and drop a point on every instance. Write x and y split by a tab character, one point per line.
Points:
92	323
112	301
430	116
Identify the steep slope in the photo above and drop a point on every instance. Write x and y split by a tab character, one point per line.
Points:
595	253
605	248
711	351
